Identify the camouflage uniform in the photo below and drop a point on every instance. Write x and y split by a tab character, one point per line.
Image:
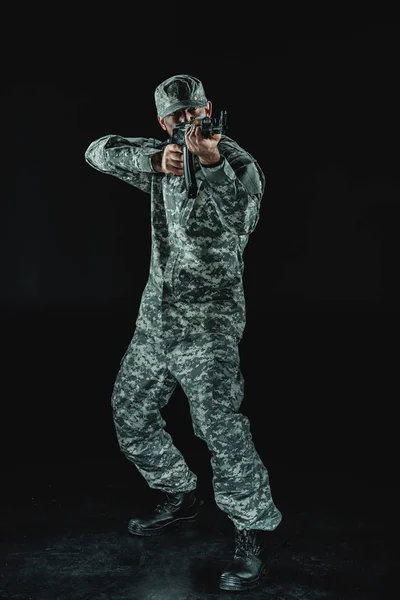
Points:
191	319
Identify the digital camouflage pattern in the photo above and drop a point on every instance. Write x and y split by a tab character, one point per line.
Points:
207	368
196	266
179	91
190	321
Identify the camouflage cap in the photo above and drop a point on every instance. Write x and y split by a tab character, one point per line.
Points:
179	91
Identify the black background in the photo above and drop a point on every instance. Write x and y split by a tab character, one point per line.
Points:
319	111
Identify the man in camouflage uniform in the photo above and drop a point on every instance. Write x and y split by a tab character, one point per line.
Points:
190	322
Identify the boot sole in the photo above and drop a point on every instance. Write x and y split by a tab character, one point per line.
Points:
231	583
135	530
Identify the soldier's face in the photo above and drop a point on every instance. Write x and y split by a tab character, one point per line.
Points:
184	115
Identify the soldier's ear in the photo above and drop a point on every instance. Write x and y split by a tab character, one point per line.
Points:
209	108
162	123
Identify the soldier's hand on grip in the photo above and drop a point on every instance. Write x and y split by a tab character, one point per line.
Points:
172	160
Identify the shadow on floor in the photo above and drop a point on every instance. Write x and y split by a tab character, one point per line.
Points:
64	537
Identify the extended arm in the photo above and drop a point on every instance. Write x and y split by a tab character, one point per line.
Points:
128	159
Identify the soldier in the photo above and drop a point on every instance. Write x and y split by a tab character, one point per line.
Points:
190	322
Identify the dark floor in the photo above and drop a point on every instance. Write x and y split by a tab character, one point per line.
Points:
64	537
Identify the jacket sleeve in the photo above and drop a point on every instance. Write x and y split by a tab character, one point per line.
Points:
128	159
236	190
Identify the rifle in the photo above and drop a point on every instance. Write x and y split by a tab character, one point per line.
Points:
208	126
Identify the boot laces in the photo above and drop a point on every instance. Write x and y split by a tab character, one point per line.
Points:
167	504
246	543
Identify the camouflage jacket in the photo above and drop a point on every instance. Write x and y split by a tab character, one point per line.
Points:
195	282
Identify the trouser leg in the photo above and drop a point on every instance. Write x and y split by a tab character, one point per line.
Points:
208	370
142	387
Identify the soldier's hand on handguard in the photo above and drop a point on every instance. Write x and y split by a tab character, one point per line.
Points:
169	161
205	148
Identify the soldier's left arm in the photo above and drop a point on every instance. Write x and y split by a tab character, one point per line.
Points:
236	191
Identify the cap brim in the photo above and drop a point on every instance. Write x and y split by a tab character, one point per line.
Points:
179	105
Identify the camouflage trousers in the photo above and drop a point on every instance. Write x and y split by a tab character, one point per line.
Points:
206	366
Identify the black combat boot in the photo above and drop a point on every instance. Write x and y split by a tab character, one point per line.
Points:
249	561
178	507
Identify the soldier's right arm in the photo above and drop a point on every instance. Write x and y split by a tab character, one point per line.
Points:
128	159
